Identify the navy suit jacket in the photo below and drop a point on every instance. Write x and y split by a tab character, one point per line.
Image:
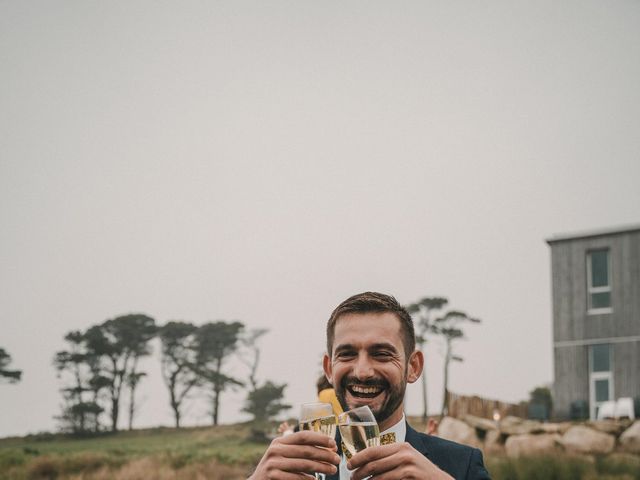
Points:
459	461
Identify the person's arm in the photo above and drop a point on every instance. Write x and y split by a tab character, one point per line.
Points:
296	456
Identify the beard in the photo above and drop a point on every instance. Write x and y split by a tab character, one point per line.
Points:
394	395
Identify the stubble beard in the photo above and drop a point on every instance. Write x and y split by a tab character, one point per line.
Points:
394	397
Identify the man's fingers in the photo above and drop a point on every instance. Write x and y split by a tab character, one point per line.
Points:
377	468
301	465
397	474
297	457
371	454
381	469
309	438
292	476
393	462
307	452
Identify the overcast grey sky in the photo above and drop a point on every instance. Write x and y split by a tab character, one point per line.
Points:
262	161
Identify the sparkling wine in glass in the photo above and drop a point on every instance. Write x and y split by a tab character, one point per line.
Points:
358	429
318	417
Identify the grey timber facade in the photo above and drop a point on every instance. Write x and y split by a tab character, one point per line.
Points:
596	319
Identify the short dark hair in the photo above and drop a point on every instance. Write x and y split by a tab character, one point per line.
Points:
368	302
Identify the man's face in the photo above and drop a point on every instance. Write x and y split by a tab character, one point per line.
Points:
368	365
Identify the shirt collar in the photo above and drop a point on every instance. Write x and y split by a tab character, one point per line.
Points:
400	429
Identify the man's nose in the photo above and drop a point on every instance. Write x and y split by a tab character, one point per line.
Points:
363	368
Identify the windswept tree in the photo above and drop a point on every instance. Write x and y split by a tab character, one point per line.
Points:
448	326
178	362
137	332
263	402
6	374
251	355
107	355
118	344
422	311
215	342
133	378
81	410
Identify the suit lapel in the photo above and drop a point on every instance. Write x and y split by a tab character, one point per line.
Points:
415	440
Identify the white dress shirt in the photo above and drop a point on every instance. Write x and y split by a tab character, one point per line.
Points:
400	429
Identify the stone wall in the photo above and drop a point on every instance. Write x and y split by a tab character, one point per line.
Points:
516	437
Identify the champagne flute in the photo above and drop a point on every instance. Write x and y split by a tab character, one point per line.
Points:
318	417
358	429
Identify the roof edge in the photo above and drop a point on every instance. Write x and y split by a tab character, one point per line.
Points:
593	233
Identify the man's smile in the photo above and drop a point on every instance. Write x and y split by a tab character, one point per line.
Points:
358	390
363	391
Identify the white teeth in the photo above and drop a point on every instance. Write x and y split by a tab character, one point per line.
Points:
365	390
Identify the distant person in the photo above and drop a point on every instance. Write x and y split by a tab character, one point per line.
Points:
370	359
285	428
432	427
327	394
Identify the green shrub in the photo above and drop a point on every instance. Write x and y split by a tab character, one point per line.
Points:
11	458
538	468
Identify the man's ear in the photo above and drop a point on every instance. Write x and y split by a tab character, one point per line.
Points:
416	364
326	366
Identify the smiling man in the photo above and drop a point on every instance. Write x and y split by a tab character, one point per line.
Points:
370	359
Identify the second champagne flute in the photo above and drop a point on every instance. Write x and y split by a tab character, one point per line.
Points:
359	430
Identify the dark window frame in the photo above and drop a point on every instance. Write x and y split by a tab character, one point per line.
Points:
591	290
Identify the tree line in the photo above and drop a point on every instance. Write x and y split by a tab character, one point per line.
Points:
100	365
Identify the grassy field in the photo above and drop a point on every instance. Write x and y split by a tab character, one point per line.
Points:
212	453
225	453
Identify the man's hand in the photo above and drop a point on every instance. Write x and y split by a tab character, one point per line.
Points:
298	456
399	461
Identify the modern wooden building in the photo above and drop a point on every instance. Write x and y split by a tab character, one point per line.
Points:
596	319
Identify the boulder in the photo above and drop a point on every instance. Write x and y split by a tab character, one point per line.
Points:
530	445
556	427
517	426
480	423
607	426
458	431
582	439
630	438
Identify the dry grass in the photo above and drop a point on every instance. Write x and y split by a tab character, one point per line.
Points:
50	468
223	452
226	453
565	467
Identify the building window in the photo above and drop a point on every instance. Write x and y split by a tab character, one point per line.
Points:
600	377
599	281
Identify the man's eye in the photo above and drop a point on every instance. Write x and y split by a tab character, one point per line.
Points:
345	354
382	354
